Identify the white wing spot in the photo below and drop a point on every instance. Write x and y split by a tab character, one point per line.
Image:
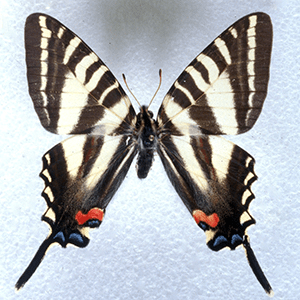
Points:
47	174
49	193
44	43
60	32
71	48
42	21
211	67
244	217
252	21
50	214
46	33
221	45
233	32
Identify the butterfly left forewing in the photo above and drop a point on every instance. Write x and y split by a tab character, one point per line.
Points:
73	91
223	89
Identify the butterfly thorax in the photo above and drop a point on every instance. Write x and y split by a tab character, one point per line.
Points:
146	129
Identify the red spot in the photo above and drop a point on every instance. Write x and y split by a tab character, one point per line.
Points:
211	220
94	213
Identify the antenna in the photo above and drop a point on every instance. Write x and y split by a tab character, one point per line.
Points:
159	73
124	78
159	85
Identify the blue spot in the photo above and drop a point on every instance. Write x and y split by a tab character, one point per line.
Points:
76	238
93	223
60	236
203	226
219	240
236	239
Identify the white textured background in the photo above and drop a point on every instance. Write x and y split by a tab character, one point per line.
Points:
148	246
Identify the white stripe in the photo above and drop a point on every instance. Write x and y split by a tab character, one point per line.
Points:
94	80
248	178
251	42
211	66
244	217
221	154
245	196
46	174
82	67
61	32
221	45
166	157
251	54
42	21
198	79
171	107
107	91
49	193
250	68
73	153
71	48
221	96
185	123
233	32
185	91
251	34
44	68
248	161
48	158
50	214
110	145
44	55
111	119
46	33
252	21
73	98
191	163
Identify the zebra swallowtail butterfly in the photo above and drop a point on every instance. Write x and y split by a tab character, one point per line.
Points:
221	91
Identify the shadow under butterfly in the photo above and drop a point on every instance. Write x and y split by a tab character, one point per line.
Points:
221	91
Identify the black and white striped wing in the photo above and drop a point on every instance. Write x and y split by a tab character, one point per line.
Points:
223	89
221	92
74	92
213	177
72	89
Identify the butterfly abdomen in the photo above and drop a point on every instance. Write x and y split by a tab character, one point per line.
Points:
147	141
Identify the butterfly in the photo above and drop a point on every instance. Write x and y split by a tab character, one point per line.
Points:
220	92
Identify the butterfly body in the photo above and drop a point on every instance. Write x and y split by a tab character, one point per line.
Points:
220	92
147	140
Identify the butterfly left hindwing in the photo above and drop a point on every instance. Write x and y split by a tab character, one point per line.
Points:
220	92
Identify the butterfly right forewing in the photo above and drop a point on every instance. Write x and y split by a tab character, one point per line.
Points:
222	90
